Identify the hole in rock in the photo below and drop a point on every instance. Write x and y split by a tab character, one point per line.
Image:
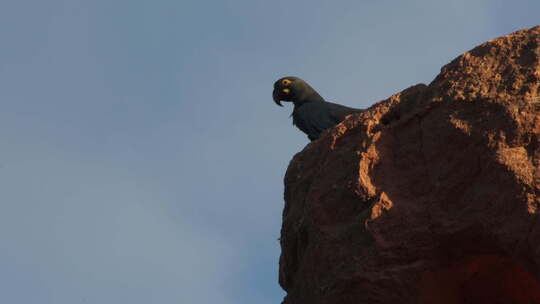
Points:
480	279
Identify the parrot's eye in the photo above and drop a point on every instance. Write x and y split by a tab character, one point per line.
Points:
285	82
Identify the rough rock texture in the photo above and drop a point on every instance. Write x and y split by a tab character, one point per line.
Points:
430	196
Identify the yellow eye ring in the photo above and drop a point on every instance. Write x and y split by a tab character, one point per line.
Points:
286	81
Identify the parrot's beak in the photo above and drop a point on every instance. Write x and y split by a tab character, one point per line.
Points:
275	95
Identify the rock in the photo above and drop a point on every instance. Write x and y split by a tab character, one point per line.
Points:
429	196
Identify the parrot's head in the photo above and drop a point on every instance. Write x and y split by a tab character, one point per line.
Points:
293	89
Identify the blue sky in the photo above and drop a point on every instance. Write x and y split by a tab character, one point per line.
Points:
141	155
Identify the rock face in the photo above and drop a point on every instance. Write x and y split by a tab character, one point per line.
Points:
429	196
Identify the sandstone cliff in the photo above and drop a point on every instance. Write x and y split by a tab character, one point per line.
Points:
430	196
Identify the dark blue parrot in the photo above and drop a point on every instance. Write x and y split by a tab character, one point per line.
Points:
311	114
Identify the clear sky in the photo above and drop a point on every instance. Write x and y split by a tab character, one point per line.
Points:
141	154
